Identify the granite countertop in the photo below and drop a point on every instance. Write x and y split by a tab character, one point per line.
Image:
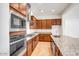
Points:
34	34
30	37
67	45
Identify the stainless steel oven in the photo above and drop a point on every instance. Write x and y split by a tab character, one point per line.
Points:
17	21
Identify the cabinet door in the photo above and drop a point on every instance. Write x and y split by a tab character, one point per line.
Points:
41	37
43	24
47	38
53	21
38	24
29	47
58	21
22	8
33	23
35	41
14	5
48	23
57	51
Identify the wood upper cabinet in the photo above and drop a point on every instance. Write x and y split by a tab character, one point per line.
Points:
56	21
53	22
19	7
33	23
43	24
38	24
14	5
22	8
48	23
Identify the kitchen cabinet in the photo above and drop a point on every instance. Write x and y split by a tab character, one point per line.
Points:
38	24
31	44
48	38
53	22
14	5
29	47
33	23
55	49
48	23
43	24
45	37
56	21
35	41
20	8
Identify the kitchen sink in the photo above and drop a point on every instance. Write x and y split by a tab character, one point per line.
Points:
30	35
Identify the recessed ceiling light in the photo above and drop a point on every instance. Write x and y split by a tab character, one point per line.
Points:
42	11
53	10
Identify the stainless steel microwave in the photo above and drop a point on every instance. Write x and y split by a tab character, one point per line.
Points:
17	21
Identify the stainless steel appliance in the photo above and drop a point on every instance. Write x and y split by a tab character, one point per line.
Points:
17	21
16	46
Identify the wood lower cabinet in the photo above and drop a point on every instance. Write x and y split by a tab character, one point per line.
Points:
45	37
57	51
31	44
29	47
35	41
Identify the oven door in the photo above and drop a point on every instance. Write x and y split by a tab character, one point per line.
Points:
17	21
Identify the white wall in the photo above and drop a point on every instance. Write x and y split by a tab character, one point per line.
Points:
70	22
4	29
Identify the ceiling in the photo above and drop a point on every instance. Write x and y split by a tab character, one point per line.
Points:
40	9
